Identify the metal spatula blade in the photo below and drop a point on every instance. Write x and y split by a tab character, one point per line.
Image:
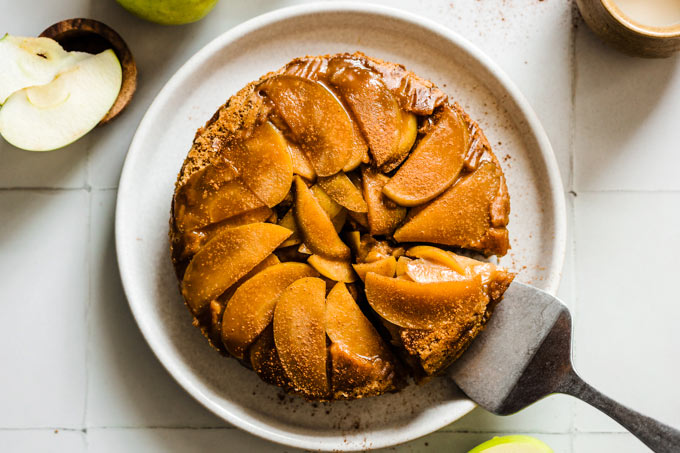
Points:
524	354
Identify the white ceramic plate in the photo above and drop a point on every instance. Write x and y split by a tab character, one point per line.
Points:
537	225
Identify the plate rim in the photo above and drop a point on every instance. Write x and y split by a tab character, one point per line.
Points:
534	128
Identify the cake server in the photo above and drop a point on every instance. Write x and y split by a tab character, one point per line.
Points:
524	354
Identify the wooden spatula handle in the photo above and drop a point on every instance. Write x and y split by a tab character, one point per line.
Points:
659	437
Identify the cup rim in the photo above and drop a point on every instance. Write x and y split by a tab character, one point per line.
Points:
672	31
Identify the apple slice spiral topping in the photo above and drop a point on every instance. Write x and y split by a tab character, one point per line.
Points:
359	186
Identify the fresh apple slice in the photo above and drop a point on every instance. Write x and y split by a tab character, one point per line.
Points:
437	255
300	335
317	119
264	164
386	266
338	270
28	62
435	163
227	258
211	195
344	192
47	117
424	305
251	308
461	216
316	227
383	214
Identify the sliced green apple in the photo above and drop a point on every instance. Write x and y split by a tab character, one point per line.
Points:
28	62
437	255
47	117
301	164
251	308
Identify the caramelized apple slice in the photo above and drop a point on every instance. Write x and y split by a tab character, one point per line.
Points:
317	119
264	164
346	194
423	305
347	326
316	227
425	271
338	270
437	255
386	266
383	215
360	154
435	163
362	363
195	239
210	195
226	258
375	108
461	216
326	202
251	308
402	265
265	360
300	335
288	221
301	164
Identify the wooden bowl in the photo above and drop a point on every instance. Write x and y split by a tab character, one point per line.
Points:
88	35
629	36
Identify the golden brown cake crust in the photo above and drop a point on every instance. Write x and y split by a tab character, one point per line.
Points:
431	350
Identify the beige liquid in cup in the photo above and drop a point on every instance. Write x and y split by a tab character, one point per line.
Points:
654	13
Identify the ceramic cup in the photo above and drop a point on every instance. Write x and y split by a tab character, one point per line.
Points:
628	32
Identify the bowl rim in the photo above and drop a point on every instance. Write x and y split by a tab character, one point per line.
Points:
534	129
668	32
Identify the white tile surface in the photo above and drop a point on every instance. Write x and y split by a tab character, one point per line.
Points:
44	271
604	442
219	440
627	309
127	386
626	119
42	440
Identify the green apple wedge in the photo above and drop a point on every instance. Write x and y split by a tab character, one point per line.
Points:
512	444
30	62
51	116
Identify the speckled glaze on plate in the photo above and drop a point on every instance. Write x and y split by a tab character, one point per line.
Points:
537	223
